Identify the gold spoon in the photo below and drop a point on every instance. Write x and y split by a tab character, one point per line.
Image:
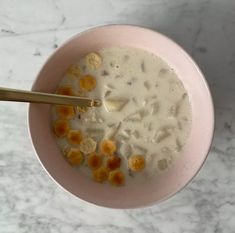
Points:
9	94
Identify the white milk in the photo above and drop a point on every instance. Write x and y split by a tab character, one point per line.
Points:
156	118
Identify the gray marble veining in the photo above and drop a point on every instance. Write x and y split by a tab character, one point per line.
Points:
29	33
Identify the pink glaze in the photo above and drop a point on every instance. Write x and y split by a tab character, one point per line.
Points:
195	151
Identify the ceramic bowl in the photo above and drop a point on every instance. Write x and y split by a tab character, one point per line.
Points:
183	169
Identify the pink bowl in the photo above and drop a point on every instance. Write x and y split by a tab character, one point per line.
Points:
159	188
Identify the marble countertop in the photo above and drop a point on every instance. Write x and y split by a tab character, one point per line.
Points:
30	31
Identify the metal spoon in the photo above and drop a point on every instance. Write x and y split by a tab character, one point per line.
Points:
8	94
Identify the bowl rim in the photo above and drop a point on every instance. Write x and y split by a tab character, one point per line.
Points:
188	56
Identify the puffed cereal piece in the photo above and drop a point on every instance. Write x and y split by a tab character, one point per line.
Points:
74	137
65	90
81	109
113	162
116	178
136	163
65	111
93	60
101	174
74	71
108	147
75	157
88	145
94	161
61	128
87	82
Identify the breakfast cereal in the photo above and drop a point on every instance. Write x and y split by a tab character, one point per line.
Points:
141	127
93	60
94	161
136	163
88	145
107	147
61	128
74	137
75	157
117	178
101	174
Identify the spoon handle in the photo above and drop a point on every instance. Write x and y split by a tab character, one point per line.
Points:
8	94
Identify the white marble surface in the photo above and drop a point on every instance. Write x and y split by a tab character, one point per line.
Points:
30	31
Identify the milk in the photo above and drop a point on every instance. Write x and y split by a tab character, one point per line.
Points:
154	119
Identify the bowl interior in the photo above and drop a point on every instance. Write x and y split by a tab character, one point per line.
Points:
158	188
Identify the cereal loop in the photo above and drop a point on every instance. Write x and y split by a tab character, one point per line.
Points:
108	147
117	178
101	174
75	157
136	163
87	82
61	128
93	61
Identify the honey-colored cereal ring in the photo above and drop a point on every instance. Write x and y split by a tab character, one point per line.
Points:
74	137
87	82
75	157
94	161
116	178
61	128
113	162
108	147
65	90
136	163
64	111
101	174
